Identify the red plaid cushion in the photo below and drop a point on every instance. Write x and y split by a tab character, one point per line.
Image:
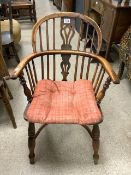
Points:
64	102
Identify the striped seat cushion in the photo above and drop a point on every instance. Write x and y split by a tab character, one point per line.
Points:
64	102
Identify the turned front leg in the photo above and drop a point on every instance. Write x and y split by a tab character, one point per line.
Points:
95	142
31	142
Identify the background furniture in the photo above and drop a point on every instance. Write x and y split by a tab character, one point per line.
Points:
5	26
80	6
114	19
24	9
125	54
7	40
5	93
58	3
67	5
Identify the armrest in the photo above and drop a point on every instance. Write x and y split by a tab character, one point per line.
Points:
18	70
108	68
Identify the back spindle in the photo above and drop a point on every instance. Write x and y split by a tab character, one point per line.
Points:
34	71
29	79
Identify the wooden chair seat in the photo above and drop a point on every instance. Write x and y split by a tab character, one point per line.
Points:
63	102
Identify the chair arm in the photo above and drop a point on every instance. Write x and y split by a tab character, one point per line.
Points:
106	65
108	68
18	70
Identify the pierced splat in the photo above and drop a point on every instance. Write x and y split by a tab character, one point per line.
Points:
65	66
67	32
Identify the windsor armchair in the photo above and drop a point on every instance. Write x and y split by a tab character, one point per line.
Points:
52	101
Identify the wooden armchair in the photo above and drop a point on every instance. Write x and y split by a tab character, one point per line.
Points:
60	54
52	101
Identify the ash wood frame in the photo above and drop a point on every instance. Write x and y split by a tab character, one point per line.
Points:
83	18
18	73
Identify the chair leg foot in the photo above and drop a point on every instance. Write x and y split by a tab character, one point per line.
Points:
32	160
95	142
31	142
95	159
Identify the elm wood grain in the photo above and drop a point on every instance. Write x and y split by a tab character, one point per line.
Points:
102	85
65	22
